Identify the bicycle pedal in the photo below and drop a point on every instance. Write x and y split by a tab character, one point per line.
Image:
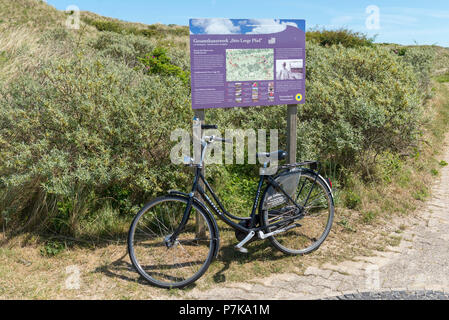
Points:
241	249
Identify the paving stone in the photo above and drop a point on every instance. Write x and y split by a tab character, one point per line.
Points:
393	295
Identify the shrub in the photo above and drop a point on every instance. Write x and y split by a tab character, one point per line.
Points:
443	78
127	48
344	37
101	126
105	25
360	102
158	62
421	60
352	200
95	125
122	48
52	248
151	31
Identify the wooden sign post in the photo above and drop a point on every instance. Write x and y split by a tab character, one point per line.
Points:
199	223
292	112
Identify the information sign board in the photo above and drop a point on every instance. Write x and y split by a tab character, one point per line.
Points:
247	62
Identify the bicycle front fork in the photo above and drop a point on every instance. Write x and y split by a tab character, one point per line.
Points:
170	240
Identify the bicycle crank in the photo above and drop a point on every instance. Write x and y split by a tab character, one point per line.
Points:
240	248
267	235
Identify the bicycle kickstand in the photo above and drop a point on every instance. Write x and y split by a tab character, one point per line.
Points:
240	248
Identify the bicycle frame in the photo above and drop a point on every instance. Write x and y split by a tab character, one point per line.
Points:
274	211
224	215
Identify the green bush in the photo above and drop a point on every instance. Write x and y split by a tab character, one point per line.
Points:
104	25
151	31
344	37
360	102
421	60
128	48
352	200
78	128
52	248
443	78
158	62
122	48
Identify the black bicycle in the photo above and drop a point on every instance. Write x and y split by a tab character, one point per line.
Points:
174	238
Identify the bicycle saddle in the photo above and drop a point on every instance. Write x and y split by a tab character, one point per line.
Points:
277	155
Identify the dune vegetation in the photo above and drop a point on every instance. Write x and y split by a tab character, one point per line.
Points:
85	128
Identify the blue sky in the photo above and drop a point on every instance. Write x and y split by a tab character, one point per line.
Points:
242	26
404	22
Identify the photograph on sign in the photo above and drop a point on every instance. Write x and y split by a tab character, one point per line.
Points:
247	62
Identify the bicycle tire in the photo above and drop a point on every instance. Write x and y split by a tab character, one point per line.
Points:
291	242
154	247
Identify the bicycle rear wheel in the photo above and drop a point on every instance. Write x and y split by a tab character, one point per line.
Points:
306	233
165	264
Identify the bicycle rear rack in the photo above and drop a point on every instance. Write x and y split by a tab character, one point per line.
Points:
312	164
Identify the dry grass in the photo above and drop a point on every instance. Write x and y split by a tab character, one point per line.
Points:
23	25
30	14
20	49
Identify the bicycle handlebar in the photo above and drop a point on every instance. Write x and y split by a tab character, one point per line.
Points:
223	140
210	139
209	126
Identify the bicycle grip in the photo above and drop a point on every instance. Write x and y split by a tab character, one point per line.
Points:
209	126
223	140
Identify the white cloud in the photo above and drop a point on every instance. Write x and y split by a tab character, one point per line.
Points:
216	26
266	26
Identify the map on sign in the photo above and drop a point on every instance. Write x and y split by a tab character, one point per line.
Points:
249	64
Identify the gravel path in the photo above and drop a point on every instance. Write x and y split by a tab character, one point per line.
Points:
394	295
416	269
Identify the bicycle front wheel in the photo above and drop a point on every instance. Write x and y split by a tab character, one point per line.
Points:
308	231
171	264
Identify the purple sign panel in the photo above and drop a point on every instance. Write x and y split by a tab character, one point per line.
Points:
247	62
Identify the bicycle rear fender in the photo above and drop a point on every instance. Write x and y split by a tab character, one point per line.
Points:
319	176
196	201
